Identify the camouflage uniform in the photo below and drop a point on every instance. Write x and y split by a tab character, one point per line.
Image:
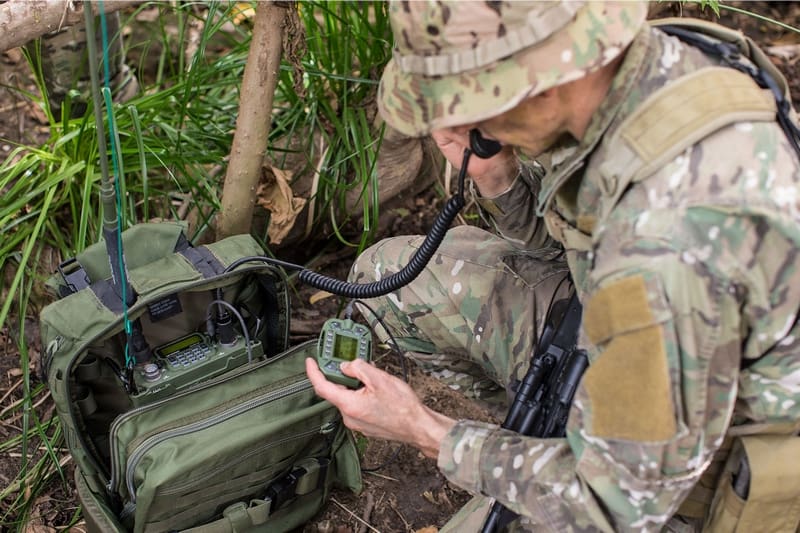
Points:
689	282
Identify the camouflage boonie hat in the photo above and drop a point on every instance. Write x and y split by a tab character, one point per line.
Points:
458	62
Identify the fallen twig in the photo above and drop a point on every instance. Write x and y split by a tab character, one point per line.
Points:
368	506
341	506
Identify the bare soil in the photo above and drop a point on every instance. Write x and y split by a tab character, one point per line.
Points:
407	494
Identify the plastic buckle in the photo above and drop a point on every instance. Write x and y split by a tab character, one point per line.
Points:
283	489
74	276
315	473
303	479
236	514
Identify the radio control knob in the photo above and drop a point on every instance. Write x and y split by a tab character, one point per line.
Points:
151	372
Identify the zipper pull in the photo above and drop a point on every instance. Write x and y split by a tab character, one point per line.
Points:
328	427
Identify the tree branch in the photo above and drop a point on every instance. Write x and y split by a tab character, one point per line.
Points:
253	122
22	21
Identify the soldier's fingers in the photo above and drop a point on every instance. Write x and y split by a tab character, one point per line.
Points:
325	389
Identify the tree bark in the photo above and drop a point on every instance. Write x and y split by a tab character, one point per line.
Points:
253	123
22	21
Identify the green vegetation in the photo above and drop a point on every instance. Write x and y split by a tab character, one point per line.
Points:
173	141
347	46
717	5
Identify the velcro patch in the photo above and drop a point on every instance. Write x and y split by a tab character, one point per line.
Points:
708	99
628	385
619	307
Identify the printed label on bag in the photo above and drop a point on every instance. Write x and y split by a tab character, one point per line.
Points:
165	308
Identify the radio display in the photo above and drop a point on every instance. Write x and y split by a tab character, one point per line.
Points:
180	344
345	348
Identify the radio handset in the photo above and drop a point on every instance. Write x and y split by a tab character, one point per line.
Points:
342	341
481	146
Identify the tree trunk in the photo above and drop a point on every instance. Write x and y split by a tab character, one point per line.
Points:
22	21
253	123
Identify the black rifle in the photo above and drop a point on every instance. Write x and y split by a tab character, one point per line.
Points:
544	396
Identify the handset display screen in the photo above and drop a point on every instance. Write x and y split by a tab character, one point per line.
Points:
345	347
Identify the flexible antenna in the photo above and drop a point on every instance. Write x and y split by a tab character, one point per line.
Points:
136	349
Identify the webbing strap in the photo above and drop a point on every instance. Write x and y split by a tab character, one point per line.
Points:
693	107
104	290
201	259
204	261
237	517
730	45
707	100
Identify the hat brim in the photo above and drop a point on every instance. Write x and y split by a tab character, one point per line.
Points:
416	104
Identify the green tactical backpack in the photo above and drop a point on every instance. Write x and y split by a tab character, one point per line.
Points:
209	436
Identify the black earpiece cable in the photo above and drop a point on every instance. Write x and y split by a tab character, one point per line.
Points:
481	147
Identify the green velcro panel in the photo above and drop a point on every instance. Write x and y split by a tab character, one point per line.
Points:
690	108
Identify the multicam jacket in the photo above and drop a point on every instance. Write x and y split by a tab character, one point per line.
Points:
691	290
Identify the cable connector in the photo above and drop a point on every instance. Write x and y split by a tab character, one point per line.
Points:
137	345
226	335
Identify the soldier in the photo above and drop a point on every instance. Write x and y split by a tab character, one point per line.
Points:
673	191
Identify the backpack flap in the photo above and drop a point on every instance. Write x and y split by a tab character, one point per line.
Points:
143	244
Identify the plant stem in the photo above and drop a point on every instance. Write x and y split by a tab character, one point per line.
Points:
760	17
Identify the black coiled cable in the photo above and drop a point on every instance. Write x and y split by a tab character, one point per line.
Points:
415	265
481	147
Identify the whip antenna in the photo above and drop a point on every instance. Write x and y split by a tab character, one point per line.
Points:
136	350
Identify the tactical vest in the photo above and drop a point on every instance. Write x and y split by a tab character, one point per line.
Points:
753	482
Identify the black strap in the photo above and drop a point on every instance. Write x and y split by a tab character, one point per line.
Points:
731	56
204	261
74	276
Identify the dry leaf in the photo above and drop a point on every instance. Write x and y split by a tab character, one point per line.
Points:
319	296
428	529
275	195
786	52
39	528
242	11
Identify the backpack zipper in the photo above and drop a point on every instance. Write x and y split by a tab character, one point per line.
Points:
156	439
180	487
124	417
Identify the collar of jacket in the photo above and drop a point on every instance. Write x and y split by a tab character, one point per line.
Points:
624	81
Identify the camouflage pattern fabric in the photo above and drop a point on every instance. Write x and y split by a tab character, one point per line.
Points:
467	318
691	290
452	61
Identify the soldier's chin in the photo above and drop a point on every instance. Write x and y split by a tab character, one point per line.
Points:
548	147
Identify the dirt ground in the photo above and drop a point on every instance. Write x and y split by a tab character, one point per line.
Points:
408	494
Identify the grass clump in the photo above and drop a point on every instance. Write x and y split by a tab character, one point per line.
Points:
174	138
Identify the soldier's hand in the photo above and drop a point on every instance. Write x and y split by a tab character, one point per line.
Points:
492	176
385	407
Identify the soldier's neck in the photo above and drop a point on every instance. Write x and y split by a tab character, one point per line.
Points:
584	96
